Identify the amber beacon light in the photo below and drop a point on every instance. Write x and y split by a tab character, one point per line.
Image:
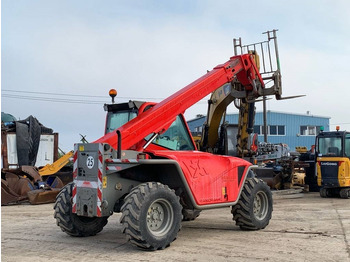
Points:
112	94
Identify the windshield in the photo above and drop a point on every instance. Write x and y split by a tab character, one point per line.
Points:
176	137
117	119
330	146
347	145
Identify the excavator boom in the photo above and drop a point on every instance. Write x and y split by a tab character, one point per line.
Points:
53	168
241	68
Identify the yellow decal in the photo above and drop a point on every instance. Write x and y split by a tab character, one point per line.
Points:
81	148
104	182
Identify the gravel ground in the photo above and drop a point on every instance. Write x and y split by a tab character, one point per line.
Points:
304	227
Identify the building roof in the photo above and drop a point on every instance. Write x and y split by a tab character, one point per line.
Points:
295	114
269	111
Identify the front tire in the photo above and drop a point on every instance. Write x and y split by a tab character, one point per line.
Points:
151	216
324	193
254	208
72	224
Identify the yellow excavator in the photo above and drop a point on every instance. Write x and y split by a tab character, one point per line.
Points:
333	163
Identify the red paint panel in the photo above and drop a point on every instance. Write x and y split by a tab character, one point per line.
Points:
211	178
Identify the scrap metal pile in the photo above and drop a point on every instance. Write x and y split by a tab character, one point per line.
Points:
25	184
20	179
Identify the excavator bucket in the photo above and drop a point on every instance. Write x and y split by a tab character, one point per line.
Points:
8	195
42	196
48	193
26	184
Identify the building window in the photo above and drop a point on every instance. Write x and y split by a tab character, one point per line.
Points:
281	130
309	130
257	130
198	129
277	130
271	130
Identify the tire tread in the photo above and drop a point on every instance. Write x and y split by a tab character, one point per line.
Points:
242	212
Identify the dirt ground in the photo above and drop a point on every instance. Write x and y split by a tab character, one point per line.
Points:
304	228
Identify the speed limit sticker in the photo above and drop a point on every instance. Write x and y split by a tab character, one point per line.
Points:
90	162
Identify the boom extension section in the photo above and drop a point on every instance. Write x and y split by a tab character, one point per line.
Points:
241	69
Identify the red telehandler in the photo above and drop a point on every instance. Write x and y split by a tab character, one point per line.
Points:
147	167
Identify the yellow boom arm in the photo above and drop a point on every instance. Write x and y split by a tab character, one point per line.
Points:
56	166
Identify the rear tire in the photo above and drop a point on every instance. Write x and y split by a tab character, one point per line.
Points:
72	224
254	208
345	193
151	216
329	192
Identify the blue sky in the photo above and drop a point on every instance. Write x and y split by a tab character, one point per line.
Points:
148	50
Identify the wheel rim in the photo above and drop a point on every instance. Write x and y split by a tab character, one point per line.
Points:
160	217
260	206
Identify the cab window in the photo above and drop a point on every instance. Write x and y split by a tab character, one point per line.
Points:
347	145
330	146
176	137
117	119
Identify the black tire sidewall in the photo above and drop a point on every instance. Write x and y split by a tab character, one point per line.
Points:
84	225
344	193
323	193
